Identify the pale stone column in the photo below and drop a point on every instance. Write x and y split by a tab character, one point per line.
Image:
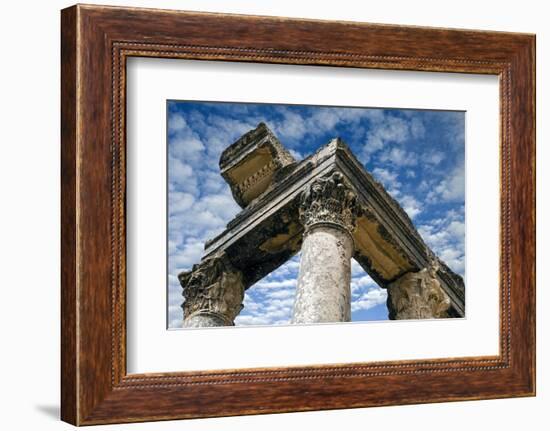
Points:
213	292
328	212
418	295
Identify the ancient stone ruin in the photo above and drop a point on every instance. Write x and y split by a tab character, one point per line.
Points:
329	207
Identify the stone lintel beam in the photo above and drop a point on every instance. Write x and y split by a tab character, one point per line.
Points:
418	295
268	232
386	243
213	292
251	163
399	248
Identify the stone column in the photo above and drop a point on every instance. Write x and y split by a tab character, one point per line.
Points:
418	295
328	212
213	292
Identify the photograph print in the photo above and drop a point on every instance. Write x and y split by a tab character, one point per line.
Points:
296	214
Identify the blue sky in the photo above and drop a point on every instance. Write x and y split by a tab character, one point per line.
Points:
417	154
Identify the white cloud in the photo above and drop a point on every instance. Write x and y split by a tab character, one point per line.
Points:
385	129
176	123
275	284
253	320
399	157
185	144
370	299
220	132
453	257
292	126
272	308
365	293
450	189
175	321
356	269
204	217
361	282
387	177
271	300
445	236
279	307
223	205
179	201
433	158
297	155
211	182
281	294
411	205
417	127
189	254
188	149
457	229
288	269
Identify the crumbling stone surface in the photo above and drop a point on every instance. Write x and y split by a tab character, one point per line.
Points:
323	291
250	164
213	292
329	200
417	295
328	211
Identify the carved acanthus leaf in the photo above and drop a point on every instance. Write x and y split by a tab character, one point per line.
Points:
418	295
329	200
213	286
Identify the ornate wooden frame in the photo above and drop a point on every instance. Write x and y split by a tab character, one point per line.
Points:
95	43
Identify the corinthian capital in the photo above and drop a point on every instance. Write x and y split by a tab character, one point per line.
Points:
417	295
329	200
213	288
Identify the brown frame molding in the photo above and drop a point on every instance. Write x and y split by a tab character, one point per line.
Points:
95	43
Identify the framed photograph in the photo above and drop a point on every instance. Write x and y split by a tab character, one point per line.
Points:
264	214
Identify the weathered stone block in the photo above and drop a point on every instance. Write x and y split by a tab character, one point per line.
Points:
250	164
213	292
418	295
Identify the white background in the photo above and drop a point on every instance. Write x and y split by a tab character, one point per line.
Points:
151	348
29	228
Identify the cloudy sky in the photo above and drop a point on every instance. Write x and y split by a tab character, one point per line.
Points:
417	155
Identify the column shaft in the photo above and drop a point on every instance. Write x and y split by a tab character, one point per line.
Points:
328	211
323	292
204	320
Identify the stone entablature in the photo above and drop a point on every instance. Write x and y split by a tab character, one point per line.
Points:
272	225
249	164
